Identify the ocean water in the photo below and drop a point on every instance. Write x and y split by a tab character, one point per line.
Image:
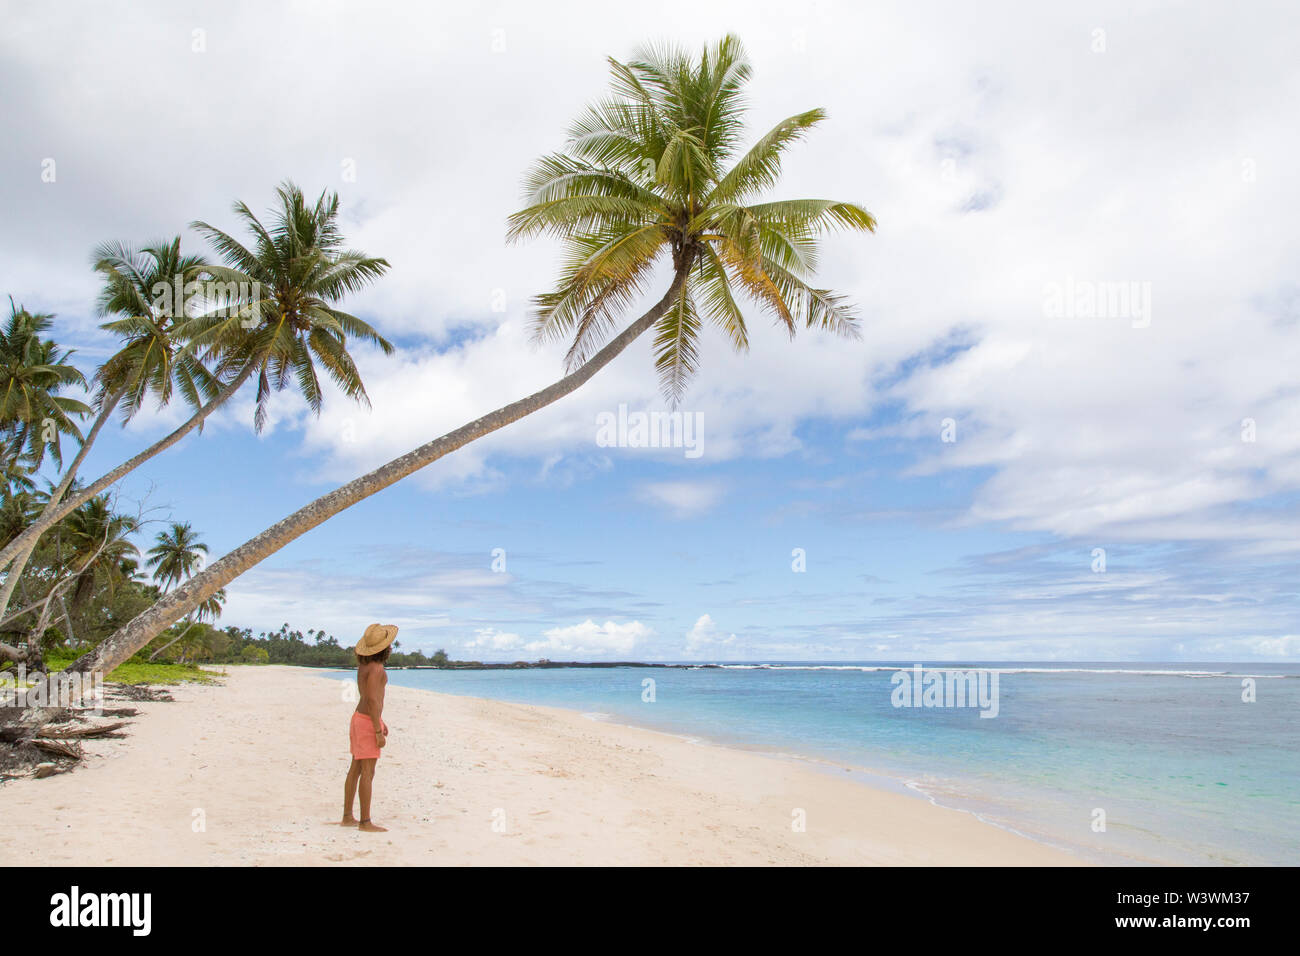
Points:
1183	770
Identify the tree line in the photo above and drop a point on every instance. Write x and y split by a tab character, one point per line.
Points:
314	648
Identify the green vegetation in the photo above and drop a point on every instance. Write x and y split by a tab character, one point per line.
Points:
315	648
187	327
140	672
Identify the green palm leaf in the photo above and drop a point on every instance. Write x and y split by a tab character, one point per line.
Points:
295	272
653	175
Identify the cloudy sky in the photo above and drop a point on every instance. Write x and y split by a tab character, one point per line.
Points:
1069	431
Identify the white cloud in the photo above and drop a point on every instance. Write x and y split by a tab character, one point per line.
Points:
704	633
683	499
592	638
1015	159
1283	648
492	639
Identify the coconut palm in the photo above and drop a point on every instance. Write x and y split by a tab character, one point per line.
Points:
34	413
301	270
153	359
34	372
273	314
16	469
143	297
100	553
651	176
94	556
176	556
17	506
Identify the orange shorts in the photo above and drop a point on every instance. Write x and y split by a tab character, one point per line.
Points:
362	735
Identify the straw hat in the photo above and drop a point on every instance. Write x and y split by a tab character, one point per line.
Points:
376	638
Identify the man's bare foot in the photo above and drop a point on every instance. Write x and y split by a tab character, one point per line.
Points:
365	826
348	821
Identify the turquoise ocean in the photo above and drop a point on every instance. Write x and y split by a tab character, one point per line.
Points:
1183	769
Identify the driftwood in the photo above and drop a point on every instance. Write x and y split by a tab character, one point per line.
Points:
64	733
19	725
136	692
43	742
58	748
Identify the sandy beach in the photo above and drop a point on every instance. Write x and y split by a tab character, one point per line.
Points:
250	772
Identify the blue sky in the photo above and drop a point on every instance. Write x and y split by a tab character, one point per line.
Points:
1005	158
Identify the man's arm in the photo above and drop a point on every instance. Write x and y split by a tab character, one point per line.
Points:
375	688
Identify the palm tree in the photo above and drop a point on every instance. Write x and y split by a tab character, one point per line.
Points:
101	554
176	556
152	360
34	413
209	611
99	559
17	506
650	175
138	298
282	322
302	269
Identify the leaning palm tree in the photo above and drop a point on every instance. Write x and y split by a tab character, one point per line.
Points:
302	269
152	362
33	411
650	178
283	322
139	297
98	559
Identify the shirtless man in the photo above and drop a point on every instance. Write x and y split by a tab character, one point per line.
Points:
368	732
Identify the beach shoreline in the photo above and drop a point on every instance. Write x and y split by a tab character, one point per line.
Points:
250	772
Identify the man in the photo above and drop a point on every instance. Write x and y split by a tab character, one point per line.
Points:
368	732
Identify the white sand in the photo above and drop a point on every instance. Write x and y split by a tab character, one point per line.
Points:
259	762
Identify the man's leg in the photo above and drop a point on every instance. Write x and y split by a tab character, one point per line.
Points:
367	779
350	792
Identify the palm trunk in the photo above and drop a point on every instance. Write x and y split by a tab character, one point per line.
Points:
35	657
20	562
36	642
67	619
149	624
51	517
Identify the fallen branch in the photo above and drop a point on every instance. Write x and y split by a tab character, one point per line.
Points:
55	747
64	733
136	692
28	723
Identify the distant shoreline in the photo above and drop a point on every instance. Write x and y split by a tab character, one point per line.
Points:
541	665
504	666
